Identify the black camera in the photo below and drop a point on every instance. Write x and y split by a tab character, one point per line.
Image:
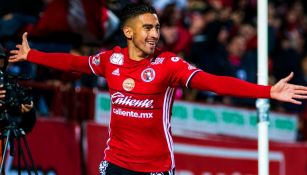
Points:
15	93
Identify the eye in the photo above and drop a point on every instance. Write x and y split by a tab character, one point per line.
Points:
147	27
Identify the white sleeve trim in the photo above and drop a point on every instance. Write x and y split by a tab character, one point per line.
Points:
89	63
189	79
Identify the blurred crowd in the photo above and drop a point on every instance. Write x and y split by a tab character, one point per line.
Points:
218	36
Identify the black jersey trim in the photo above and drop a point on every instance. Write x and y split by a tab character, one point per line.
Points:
190	78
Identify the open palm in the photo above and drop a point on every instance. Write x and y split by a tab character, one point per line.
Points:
286	92
21	53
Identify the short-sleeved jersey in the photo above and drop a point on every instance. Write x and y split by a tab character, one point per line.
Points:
142	94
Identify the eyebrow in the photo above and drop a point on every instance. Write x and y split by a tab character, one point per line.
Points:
150	25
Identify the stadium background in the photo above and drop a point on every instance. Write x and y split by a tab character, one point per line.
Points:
218	36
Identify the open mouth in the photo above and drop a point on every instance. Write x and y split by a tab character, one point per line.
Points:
151	43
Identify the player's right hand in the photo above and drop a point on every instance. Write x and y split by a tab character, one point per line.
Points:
22	50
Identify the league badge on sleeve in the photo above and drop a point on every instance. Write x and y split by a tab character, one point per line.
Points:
117	58
96	59
148	75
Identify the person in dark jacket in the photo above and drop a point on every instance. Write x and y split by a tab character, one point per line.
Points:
26	116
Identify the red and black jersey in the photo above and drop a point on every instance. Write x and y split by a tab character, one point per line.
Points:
142	94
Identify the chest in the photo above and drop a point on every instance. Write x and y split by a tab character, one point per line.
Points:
146	78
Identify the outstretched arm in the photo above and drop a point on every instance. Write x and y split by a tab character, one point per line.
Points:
223	85
61	61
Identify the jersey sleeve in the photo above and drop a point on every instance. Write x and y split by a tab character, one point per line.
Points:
180	71
98	63
60	61
224	85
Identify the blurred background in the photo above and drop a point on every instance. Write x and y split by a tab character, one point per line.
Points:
218	36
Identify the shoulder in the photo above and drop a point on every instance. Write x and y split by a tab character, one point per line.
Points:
103	52
167	56
170	57
115	53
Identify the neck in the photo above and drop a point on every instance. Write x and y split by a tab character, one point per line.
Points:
135	53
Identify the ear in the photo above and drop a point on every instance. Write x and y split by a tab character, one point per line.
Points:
128	32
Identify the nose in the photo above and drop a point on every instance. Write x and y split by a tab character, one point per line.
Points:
155	33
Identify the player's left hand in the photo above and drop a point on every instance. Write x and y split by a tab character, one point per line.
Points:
286	92
26	107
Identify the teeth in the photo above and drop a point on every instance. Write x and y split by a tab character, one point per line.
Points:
151	42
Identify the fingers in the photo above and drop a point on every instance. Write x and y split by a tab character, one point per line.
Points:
15	52
19	46
23	108
13	59
300	96
26	107
301	92
2	92
297	87
29	106
295	102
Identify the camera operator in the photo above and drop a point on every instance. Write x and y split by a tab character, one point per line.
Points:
27	113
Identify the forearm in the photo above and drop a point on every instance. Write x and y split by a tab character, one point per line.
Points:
224	85
61	61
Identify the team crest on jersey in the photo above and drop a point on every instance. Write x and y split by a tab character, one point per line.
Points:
148	75
128	84
175	59
117	58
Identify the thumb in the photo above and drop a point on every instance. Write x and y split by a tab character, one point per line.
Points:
24	38
289	77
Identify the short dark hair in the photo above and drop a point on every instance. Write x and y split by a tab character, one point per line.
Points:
135	9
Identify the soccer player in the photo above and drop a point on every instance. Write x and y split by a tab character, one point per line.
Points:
142	81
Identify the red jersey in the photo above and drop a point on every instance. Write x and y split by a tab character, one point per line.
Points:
142	94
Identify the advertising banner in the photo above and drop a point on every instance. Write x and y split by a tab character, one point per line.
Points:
212	155
196	119
56	149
